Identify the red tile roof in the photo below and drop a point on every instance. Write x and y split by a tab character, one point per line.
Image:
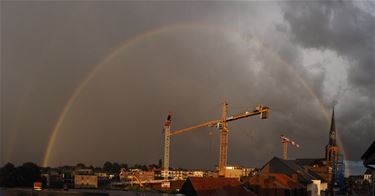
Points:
209	183
208	186
275	180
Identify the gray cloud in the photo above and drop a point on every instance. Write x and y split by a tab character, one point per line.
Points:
348	30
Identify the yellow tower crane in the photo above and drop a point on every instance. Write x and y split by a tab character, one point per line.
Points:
221	124
285	142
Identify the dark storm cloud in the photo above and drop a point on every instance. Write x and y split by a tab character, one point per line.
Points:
348	30
339	26
118	116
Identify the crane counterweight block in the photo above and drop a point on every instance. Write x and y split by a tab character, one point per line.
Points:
264	112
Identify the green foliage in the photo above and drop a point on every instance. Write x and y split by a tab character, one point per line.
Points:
124	165
115	168
80	166
107	167
22	176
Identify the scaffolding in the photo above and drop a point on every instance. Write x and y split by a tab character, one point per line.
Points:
338	175
339	178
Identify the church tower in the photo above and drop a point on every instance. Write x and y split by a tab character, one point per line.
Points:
332	149
332	152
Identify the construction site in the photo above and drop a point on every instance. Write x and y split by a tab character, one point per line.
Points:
279	176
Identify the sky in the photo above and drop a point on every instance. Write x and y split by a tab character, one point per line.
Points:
100	77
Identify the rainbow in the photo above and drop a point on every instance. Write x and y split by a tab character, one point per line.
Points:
148	34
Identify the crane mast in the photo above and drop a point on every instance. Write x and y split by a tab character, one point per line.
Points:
223	158
285	141
167	136
222	124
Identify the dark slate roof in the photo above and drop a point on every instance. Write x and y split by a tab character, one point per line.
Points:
369	156
310	162
368	171
332	131
289	167
316	176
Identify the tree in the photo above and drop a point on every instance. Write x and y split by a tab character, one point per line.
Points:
23	176
107	167
115	168
7	177
28	173
80	166
124	165
160	163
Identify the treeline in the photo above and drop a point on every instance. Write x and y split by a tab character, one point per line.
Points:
115	168
22	176
28	173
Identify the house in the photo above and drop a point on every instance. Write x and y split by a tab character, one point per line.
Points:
85	181
233	172
144	175
367	176
53	178
368	159
207	186
85	178
273	184
317	165
314	183
123	175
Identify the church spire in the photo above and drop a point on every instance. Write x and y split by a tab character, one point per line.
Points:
332	131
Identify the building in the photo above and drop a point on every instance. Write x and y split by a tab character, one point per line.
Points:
53	178
85	178
237	172
367	176
144	175
207	186
368	159
330	168
334	159
233	172
313	183
247	171
176	174
273	184
123	175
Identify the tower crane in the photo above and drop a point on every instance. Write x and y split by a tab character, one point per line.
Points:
221	124
285	142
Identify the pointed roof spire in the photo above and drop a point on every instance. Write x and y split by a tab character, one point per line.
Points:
332	131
